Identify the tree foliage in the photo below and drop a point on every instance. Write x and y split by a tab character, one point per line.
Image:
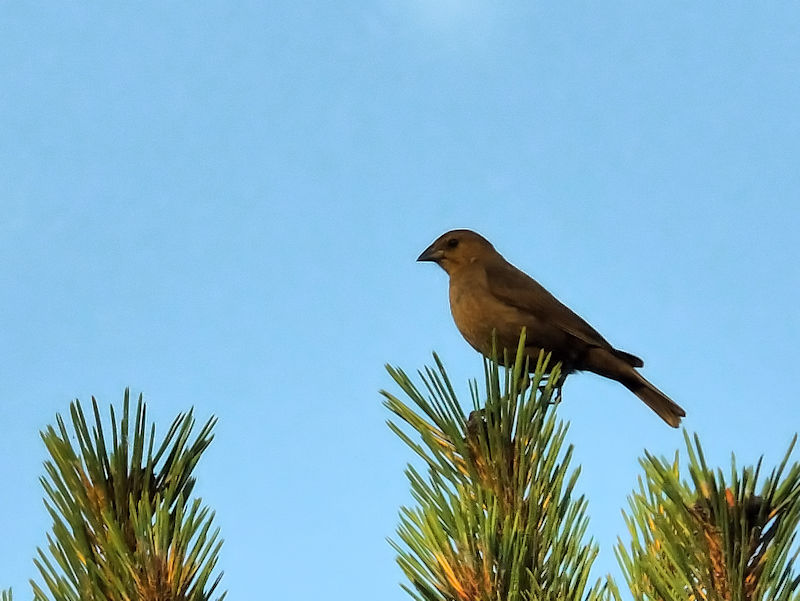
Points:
125	524
496	516
712	537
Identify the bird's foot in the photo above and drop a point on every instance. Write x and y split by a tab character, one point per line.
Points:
555	390
555	398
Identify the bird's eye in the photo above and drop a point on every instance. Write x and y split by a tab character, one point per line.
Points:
452	242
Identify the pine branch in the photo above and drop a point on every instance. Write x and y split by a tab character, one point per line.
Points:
712	538
124	523
496	517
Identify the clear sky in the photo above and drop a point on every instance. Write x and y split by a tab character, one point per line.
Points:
220	205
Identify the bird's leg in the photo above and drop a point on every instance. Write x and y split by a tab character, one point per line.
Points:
555	399
559	385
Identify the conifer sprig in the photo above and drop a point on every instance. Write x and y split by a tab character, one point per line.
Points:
496	514
711	537
125	525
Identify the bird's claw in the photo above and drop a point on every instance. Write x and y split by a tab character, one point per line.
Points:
555	397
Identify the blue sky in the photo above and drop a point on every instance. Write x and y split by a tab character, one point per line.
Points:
220	207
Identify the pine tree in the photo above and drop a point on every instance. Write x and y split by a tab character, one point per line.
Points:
713	538
125	523
497	517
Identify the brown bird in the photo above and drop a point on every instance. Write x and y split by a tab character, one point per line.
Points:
489	295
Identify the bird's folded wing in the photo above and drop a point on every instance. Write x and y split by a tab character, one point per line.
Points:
516	288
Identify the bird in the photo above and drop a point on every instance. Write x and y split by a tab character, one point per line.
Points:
490	299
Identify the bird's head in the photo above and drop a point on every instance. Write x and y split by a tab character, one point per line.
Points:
457	248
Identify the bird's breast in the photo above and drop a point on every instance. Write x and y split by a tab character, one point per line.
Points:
477	314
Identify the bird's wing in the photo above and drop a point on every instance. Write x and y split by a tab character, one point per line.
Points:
516	288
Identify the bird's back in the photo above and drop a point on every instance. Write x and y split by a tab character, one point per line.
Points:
518	289
494	287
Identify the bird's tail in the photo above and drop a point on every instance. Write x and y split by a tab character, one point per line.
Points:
631	360
621	368
665	407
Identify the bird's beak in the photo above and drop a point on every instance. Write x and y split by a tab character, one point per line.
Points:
431	254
